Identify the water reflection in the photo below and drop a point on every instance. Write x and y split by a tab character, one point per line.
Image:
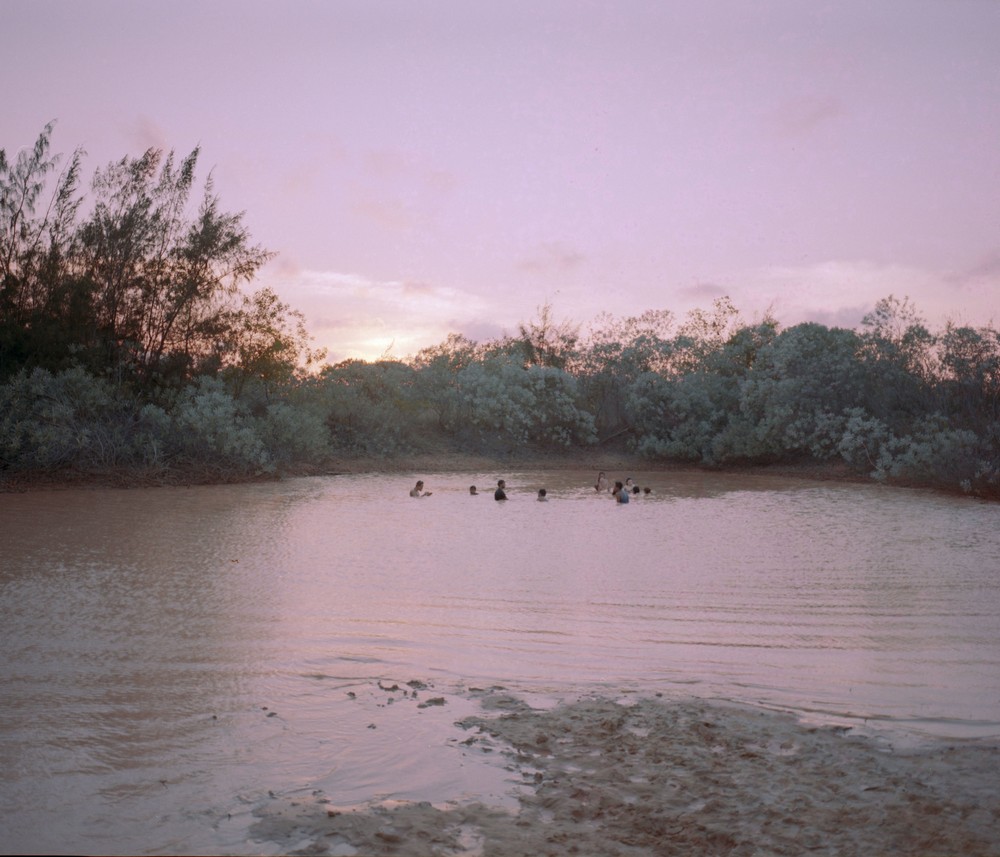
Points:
180	648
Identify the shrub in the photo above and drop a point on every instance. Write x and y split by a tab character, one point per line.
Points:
66	419
209	430
517	405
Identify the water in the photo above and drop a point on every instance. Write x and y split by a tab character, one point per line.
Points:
172	656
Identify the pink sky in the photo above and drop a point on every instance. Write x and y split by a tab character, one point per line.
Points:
432	167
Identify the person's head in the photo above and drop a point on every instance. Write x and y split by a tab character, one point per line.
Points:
635	489
541	493
472	489
501	484
646	490
629	482
420	484
618	486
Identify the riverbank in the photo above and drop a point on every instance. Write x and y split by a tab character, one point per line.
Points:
643	775
443	462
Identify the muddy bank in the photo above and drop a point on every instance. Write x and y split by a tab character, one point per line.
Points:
409	464
638	776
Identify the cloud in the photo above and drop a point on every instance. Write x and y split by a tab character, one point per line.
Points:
298	180
701	292
397	192
359	317
412	289
848	317
144	134
987	268
841	292
353	316
390	214
284	267
399	167
478	330
551	257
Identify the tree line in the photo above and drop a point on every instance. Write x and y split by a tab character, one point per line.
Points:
128	342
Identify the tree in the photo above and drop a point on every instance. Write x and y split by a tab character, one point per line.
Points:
38	304
543	342
900	353
702	334
615	354
684	417
370	408
437	373
970	373
268	342
162	283
806	374
510	405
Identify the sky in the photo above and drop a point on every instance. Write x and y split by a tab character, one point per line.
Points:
426	167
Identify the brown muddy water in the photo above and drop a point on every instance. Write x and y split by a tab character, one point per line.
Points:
174	657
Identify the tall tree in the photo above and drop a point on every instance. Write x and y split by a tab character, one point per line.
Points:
163	283
543	342
268	342
900	353
36	242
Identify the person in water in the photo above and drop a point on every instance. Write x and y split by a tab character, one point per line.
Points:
500	493
541	495
602	483
418	490
472	490
620	493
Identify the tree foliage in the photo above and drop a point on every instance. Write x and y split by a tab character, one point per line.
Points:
143	287
126	341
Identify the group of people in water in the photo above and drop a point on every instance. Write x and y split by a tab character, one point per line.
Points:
621	491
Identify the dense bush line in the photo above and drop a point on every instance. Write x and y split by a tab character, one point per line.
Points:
761	395
127	345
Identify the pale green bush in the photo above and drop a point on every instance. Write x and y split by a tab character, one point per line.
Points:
801	380
209	429
369	407
66	419
865	440
934	454
293	434
516	405
691	418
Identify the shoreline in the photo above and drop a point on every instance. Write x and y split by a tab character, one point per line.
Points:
16	483
648	775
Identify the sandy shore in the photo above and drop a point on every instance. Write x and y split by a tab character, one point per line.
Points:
649	776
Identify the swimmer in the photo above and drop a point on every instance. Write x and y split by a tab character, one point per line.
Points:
500	493
474	492
541	495
602	483
418	490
